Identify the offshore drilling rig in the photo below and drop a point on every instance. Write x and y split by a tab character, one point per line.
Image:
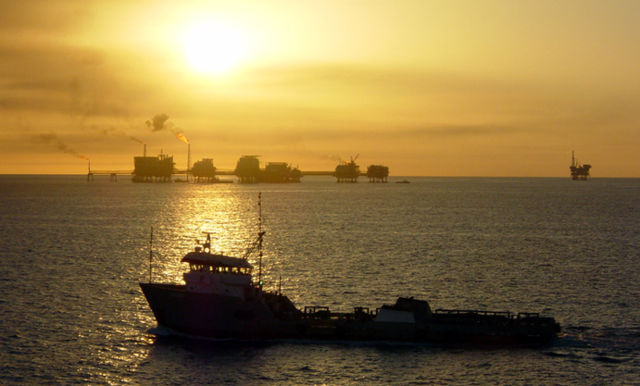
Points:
348	171
579	172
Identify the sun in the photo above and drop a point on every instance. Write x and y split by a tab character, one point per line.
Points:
214	47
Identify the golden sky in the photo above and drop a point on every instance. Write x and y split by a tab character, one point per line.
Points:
434	88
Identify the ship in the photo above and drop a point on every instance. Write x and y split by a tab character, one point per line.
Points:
579	171
219	299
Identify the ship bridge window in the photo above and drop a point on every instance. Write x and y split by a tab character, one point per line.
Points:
197	267
232	270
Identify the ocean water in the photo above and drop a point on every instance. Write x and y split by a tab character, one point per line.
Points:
72	254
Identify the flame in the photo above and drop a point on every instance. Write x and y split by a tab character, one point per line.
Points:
83	157
181	137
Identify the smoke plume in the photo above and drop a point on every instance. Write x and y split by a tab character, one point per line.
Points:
53	140
136	140
161	122
120	133
158	122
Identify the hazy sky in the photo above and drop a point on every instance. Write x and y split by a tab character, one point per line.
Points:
459	88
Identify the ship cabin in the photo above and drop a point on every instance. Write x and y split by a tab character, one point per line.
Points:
216	273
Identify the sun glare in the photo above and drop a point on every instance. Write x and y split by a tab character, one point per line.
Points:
213	47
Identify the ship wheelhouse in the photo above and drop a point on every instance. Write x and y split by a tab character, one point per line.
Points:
217	273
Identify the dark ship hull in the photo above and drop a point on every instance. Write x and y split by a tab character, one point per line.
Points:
264	315
212	315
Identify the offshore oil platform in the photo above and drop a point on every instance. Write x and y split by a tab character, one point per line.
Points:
378	173
203	171
350	171
248	171
162	168
153	169
579	172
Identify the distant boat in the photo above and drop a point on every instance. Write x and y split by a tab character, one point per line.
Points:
403	182
220	300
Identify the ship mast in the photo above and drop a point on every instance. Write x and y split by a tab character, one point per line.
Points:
150	252
260	234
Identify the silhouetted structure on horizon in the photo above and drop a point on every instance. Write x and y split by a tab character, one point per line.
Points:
89	173
248	171
162	168
578	171
377	173
153	169
280	172
204	171
348	171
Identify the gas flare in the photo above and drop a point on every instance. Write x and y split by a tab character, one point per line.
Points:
161	122
181	137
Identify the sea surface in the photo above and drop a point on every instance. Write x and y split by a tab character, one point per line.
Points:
72	254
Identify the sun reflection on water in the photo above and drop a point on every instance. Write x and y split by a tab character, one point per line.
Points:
231	218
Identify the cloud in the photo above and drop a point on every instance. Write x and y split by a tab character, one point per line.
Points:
449	131
400	80
41	16
395	135
64	80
